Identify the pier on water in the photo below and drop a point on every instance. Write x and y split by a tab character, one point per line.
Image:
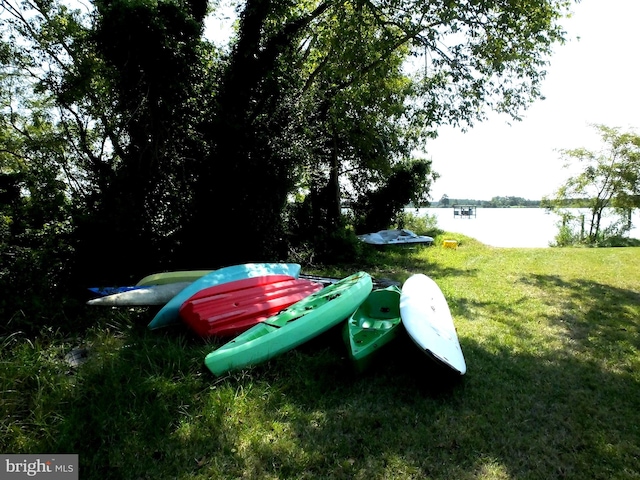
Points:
464	211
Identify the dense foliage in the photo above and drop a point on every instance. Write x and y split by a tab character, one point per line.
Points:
145	147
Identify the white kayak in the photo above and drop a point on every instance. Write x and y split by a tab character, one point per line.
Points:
147	296
428	321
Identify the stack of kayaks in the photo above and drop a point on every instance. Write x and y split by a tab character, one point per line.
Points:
169	314
231	308
171	289
271	311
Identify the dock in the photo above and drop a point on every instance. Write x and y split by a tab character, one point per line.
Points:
464	211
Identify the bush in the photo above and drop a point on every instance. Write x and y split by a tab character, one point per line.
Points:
421	224
36	252
565	237
313	239
572	232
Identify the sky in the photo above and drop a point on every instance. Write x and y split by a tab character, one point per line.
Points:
592	79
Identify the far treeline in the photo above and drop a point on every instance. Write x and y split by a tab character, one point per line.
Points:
519	202
495	202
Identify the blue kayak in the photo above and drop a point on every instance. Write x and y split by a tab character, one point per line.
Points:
104	291
169	313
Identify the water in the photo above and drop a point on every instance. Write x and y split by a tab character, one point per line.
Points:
509	227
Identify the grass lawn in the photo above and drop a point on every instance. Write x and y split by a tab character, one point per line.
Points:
550	336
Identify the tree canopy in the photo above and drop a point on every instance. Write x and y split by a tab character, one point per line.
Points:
157	150
333	77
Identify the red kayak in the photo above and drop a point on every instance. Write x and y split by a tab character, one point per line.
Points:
231	308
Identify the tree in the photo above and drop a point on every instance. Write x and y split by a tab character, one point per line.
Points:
35	217
405	185
123	84
151	57
324	57
361	122
167	138
608	180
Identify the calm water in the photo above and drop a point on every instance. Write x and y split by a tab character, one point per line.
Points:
508	227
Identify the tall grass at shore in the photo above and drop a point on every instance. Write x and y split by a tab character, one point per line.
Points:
550	336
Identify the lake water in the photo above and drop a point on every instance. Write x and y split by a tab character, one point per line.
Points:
508	227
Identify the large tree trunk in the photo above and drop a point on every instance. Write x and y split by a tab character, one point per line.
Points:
242	188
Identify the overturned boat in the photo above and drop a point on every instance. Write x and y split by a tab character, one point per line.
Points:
395	237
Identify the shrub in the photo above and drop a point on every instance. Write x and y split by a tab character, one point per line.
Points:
421	224
36	252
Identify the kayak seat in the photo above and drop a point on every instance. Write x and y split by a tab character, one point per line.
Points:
384	325
374	324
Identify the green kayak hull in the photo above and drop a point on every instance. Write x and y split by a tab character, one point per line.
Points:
293	326
178	276
169	314
374	324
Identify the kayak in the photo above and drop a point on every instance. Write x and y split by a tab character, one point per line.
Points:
428	321
141	296
377	282
104	291
293	326
169	313
231	308
395	237
172	277
374	324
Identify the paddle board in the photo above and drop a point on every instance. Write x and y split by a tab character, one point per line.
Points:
144	296
428	321
169	313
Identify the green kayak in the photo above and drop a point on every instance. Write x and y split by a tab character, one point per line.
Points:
374	324
293	326
163	278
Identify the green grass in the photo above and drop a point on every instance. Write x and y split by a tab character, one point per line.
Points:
550	338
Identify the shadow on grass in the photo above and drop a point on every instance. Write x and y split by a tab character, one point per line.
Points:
599	320
144	406
148	409
512	416
130	398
